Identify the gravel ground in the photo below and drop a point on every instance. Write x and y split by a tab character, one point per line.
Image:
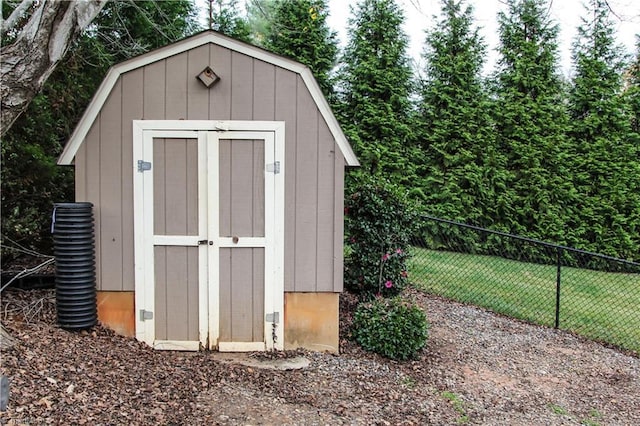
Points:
478	368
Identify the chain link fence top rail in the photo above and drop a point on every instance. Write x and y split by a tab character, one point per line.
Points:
589	294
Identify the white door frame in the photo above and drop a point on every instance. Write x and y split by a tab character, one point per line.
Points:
144	131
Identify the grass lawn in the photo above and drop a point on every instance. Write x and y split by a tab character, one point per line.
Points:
599	305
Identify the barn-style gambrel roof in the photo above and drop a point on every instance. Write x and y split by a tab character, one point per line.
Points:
213	37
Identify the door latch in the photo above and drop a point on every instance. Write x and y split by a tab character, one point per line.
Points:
203	242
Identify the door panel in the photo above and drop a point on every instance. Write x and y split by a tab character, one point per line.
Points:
242	295
175	176
176	282
241	187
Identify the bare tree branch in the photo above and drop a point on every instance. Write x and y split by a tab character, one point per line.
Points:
611	10
32	57
15	16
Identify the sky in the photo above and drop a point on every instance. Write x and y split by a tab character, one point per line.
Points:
567	13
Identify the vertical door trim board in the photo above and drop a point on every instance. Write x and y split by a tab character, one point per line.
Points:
203	226
278	236
213	301
138	235
143	220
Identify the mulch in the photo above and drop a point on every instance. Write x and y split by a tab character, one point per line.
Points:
478	368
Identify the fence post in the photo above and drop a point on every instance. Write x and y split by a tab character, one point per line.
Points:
558	273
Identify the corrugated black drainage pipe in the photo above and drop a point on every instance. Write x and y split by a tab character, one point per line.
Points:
74	249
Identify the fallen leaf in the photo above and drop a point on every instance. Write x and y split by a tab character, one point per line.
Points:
45	401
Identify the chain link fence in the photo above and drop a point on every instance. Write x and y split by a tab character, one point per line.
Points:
589	294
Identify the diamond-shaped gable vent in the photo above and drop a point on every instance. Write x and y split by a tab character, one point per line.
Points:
208	77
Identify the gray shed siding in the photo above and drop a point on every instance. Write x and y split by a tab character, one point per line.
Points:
249	89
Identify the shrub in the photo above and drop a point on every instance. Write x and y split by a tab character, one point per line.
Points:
380	220
392	327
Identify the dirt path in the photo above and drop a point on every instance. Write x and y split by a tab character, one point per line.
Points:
479	368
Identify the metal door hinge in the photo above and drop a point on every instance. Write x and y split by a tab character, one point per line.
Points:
273	317
144	165
274	167
145	315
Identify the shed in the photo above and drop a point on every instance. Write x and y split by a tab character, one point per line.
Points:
216	170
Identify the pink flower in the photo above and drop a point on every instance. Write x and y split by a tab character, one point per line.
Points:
398	251
386	256
388	284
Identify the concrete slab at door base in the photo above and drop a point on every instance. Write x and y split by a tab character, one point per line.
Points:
116	311
249	360
311	321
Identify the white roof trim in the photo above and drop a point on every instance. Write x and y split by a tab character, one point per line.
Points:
100	97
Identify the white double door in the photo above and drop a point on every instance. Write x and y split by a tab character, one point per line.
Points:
209	219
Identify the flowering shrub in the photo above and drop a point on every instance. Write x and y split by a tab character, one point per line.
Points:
379	223
392	272
392	327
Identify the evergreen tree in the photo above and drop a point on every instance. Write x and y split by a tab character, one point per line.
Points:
461	171
633	92
531	122
633	96
298	29
224	17
605	160
259	15
376	85
31	180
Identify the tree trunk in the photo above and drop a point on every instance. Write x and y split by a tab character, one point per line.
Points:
42	42
6	341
